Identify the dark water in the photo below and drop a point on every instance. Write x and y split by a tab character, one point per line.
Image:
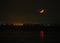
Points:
51	35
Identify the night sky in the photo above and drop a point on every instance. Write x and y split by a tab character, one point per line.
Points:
27	11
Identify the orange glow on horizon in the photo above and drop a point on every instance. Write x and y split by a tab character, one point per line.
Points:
17	24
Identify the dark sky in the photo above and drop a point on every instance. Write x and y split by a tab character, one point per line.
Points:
27	11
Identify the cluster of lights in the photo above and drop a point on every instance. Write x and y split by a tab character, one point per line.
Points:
18	24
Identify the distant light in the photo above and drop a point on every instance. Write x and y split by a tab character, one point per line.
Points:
4	24
48	24
18	24
42	11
